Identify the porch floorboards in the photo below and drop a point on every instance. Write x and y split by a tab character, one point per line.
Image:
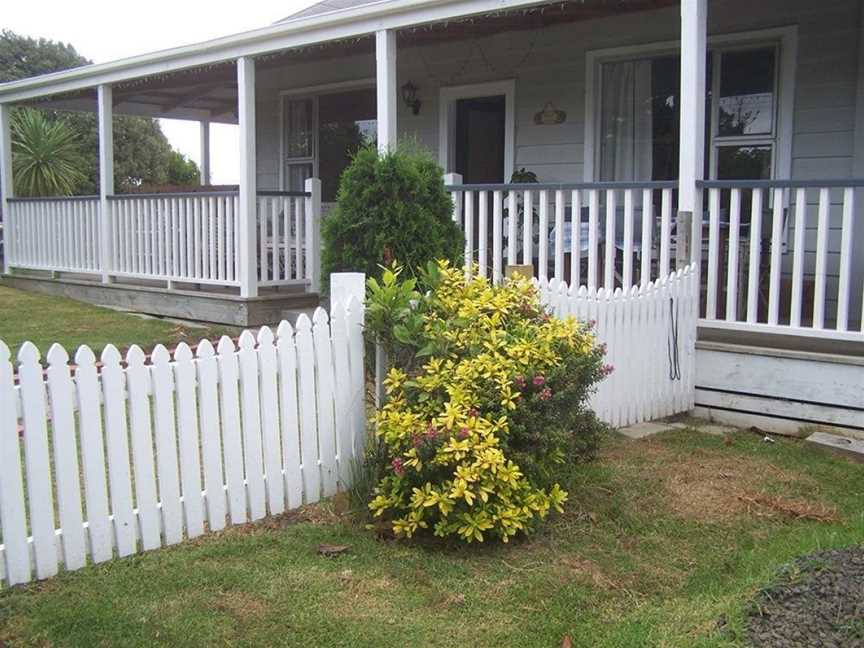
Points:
790	343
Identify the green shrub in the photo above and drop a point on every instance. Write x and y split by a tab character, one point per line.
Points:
486	410
390	207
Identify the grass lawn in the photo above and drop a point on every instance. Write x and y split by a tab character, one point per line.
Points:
44	319
663	543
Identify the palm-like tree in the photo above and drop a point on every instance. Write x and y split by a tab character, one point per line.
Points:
45	157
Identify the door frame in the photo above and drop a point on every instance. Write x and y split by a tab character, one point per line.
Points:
447	98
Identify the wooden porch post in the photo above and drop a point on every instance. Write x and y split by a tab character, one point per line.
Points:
385	83
6	190
312	226
106	175
691	156
247	264
205	151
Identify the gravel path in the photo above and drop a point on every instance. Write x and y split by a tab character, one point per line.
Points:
816	601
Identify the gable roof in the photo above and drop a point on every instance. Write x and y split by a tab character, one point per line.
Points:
325	6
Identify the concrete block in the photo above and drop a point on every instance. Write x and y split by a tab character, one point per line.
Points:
717	430
853	448
642	430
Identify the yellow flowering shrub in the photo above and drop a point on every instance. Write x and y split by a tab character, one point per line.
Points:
484	409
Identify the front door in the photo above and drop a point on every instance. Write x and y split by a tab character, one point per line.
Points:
479	139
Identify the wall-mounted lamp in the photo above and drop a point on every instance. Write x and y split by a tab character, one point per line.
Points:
409	96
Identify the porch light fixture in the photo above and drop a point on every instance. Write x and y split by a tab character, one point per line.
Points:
409	96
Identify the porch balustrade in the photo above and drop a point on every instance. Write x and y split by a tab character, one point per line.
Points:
55	234
774	256
185	238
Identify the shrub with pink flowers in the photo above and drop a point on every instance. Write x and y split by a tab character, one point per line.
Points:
486	409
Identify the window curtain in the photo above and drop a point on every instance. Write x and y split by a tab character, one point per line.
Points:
626	151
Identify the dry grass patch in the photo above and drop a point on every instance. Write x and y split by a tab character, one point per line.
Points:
716	486
590	572
242	606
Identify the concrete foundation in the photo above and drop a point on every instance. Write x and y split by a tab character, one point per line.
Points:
220	307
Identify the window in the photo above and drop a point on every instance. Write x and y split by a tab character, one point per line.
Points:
299	143
744	115
322	133
638	108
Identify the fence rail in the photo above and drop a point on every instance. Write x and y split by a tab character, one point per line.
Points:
222	437
650	336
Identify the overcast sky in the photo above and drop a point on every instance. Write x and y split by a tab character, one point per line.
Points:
105	30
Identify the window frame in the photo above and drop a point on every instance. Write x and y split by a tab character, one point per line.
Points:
718	141
785	42
313	93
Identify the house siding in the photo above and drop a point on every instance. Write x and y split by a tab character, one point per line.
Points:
550	65
553	69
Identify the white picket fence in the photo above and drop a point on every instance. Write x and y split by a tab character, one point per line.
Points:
238	432
650	336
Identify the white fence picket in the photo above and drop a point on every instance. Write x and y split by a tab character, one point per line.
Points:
188	436
232	446
36	461
268	367
13	518
117	446
324	403
250	407
290	415
141	433
307	400
211	444
166	445
61	391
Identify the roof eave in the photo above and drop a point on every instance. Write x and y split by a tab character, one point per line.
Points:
332	25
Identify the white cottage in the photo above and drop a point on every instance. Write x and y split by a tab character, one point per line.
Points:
651	133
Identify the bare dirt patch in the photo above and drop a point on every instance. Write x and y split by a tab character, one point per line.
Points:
242	606
715	486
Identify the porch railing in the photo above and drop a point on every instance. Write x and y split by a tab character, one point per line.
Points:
54	234
780	257
775	256
601	235
177	238
285	233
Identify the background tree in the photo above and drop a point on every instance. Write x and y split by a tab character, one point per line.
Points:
142	153
182	171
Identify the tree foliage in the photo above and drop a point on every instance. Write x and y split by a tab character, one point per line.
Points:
142	154
182	171
390	207
45	156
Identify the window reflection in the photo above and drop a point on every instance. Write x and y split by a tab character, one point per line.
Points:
744	163
746	103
